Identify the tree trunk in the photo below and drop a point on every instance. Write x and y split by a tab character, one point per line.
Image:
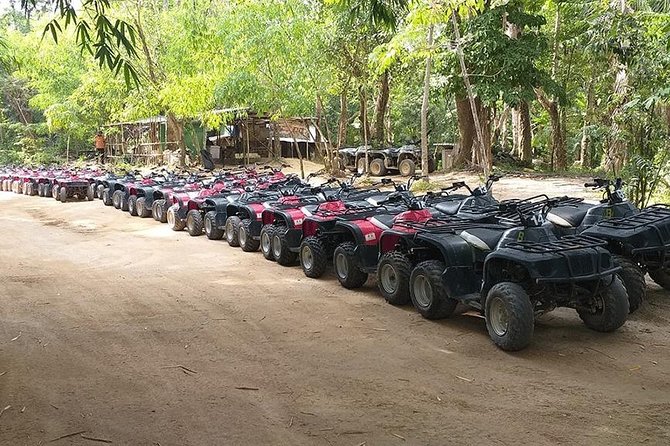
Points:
363	115
482	155
521	135
466	131
483	148
424	107
175	134
381	106
344	119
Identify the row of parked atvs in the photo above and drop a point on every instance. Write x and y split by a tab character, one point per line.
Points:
512	260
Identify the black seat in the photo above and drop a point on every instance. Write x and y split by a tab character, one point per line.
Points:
482	238
449	207
569	216
385	220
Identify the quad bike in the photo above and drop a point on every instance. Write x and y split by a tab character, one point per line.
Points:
357	250
69	186
186	209
282	221
319	236
511	271
580	217
472	205
639	243
404	159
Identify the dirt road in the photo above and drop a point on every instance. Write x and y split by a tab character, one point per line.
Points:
119	327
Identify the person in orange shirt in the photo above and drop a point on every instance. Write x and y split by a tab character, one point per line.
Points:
100	146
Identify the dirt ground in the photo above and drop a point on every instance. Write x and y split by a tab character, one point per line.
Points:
138	335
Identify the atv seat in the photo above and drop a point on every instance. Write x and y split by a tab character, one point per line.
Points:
568	216
383	221
482	238
450	207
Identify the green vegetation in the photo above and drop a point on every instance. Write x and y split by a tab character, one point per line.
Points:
550	85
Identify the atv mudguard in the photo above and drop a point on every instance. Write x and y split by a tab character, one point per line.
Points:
459	276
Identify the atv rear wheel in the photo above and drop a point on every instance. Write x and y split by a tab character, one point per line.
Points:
194	223
661	276
393	272
173	220
510	319
280	250
247	242
99	190
609	309
116	199
347	268
427	291
407	167
377	167
62	194
158	211
142	210
232	230
106	199
313	257
632	277
90	192
267	231
212	231
132	205
40	189
123	202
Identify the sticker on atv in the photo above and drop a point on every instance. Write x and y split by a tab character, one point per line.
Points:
298	221
370	237
259	215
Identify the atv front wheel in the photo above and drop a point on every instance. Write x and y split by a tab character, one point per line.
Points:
194	223
212	231
427	291
267	232
141	208
40	190
62	194
609	308
247	242
158	211
313	257
173	220
54	191
407	167
106	199
632	277
116	199
232	230
393	272
510	319
347	268
661	276
99	190
132	205
280	250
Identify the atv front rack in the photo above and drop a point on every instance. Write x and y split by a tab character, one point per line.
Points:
579	267
567	243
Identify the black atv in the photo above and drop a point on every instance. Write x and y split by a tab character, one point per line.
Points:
511	271
579	217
